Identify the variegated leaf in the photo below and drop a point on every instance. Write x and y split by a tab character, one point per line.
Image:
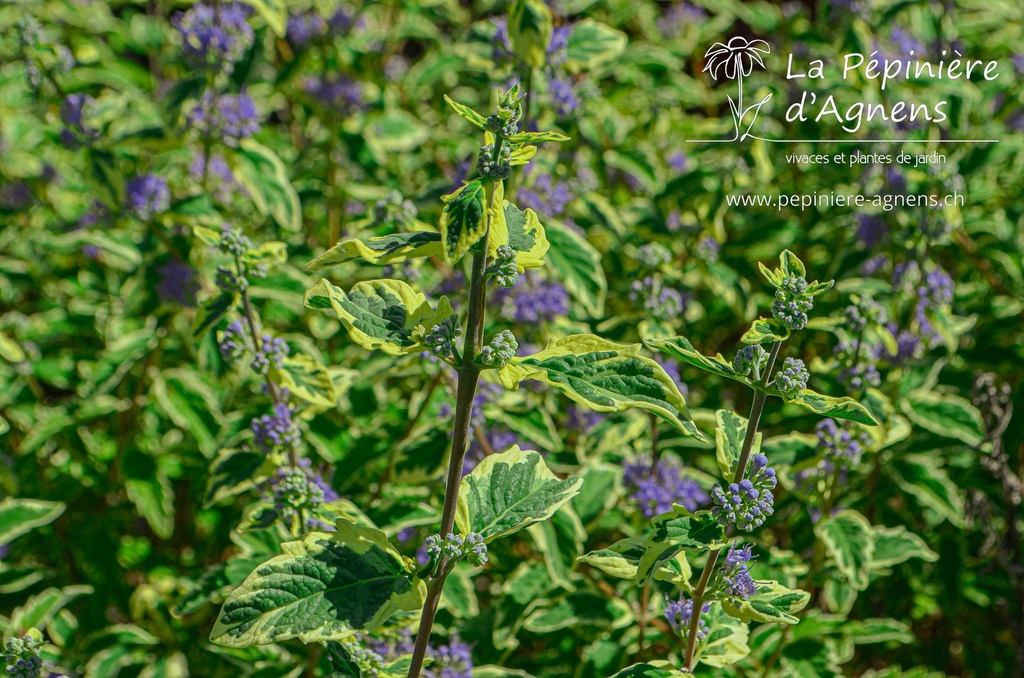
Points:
387	249
381	314
510	491
463	220
772	603
604	376
326	586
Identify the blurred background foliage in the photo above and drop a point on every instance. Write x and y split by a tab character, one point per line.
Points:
112	411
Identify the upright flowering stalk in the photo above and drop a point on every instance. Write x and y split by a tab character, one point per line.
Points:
505	491
745	499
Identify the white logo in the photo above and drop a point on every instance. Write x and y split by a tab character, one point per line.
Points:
735	60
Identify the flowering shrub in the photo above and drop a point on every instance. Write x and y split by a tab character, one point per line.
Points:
342	338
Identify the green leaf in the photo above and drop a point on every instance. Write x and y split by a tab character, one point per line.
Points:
729	435
233	471
848	539
394	131
681	349
560	540
877	631
765	330
837	408
919	476
519	230
153	497
19	516
622	560
604	376
381	314
274	12
895	545
592	43
658	668
773	603
42	607
676	531
536	137
509	491
268	254
727	639
839	596
529	29
265	177
602	487
944	414
463	220
388	249
467	113
326	586
618	560
306	378
791	266
578	266
211	312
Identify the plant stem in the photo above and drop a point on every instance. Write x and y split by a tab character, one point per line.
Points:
756	408
469	374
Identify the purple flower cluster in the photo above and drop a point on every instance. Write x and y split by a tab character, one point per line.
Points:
393	645
934	292
871	230
680	612
178	283
708	249
865	312
343	95
228	117
907	345
563	96
299	488
233	341
306	27
582	418
657	484
656	300
534	301
272	351
653	255
215	38
678	17
218	175
840	448
454	660
455	546
736	574
749	502
21	657
72	114
792	304
678	161
546	196
750	359
394	210
277	431
557	50
792	378
147	195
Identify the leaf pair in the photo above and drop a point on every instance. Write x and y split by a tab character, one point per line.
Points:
839	408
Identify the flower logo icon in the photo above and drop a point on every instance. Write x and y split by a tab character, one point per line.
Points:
735	60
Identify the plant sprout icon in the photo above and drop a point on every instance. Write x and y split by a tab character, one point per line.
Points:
736	60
